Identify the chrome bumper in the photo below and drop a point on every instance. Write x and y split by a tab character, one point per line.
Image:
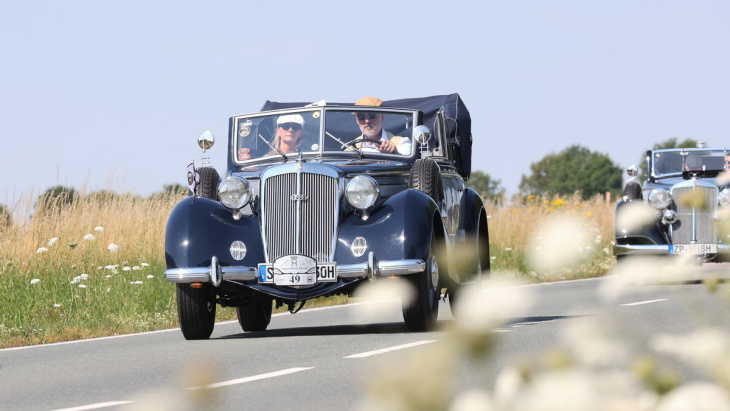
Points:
371	269
653	249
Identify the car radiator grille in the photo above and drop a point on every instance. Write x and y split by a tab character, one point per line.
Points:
300	216
703	230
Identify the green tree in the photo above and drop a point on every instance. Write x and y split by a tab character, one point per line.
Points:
668	143
5	217
55	198
574	169
486	186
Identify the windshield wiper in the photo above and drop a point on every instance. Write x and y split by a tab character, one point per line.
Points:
273	148
345	145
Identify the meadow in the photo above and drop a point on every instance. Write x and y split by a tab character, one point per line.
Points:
94	266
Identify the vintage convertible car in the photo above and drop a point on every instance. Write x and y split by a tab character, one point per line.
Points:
283	228
686	190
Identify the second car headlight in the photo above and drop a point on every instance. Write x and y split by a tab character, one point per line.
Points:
724	198
659	198
362	192
234	192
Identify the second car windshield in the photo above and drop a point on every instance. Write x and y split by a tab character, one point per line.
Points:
674	162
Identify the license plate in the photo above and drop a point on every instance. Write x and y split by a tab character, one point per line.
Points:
303	274
693	249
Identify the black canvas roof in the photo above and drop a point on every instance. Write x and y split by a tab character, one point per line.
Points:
458	123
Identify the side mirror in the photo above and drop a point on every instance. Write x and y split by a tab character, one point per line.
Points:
206	140
421	134
632	170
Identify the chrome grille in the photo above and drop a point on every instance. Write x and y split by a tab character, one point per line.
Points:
696	226
299	215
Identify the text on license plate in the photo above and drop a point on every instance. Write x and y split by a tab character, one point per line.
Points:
326	273
693	249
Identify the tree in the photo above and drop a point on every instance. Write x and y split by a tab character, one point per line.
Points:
5	217
669	143
487	187
574	169
55	198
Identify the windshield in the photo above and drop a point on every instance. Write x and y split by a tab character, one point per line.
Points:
674	162
346	132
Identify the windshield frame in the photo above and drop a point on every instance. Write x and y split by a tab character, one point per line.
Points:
318	116
711	161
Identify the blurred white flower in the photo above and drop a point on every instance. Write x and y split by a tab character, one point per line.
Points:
697	396
707	348
107	276
89	237
145	265
596	342
150	276
82	285
634	216
56	305
53	241
136	268
379	296
35	281
113	248
99	229
473	400
84	276
723	178
41	250
136	282
482	308
636	271
558	245
127	269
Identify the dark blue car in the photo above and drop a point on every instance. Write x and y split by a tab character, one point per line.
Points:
309	206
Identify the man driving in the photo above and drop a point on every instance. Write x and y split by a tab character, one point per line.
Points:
371	125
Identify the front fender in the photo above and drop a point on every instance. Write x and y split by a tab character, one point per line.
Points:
199	228
628	231
399	229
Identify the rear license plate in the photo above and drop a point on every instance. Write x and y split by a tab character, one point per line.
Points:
693	249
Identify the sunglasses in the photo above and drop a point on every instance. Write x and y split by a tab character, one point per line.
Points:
293	126
363	116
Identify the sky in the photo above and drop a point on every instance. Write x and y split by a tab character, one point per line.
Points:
113	95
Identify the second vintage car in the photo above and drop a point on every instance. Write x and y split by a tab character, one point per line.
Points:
312	205
679	209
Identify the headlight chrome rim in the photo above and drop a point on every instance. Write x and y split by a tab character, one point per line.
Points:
724	198
362	192
234	192
659	199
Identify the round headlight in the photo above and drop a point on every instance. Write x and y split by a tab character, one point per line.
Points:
234	192
362	192
659	198
724	198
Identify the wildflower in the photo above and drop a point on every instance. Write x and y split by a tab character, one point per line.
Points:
99	229
483	308
56	305
508	249
53	241
145	265
84	276
136	282
562	236
136	268
127	269
89	237
558	203
35	281
113	248
82	285
150	276
41	250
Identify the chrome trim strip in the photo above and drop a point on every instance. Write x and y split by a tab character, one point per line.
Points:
385	268
202	274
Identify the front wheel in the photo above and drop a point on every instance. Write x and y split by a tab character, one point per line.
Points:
255	316
421	312
196	311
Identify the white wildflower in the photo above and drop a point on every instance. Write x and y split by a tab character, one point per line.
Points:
482	308
473	400
508	249
145	265
84	276
723	178
99	229
53	241
380	297
107	276
56	305
35	281
41	250
697	396
89	237
707	348
136	282
150	276
127	269
113	248
560	240
136	268
595	342
82	285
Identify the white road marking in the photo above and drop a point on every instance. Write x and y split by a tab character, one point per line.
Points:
96	406
384	350
253	378
644	302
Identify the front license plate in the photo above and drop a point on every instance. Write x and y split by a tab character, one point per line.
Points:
295	279
297	270
693	249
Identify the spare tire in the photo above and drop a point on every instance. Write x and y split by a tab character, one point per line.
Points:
425	177
208	186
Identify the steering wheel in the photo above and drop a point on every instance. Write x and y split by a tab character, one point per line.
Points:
352	143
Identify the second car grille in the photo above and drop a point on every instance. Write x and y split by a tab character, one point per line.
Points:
299	215
703	230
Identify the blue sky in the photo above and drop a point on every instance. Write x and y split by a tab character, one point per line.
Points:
103	94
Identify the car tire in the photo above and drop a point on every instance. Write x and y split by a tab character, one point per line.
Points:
483	268
208	186
196	311
425	177
255	316
632	191
421	311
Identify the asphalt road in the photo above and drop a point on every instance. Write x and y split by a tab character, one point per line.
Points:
319	359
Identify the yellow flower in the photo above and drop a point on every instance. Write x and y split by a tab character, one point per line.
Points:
558	202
